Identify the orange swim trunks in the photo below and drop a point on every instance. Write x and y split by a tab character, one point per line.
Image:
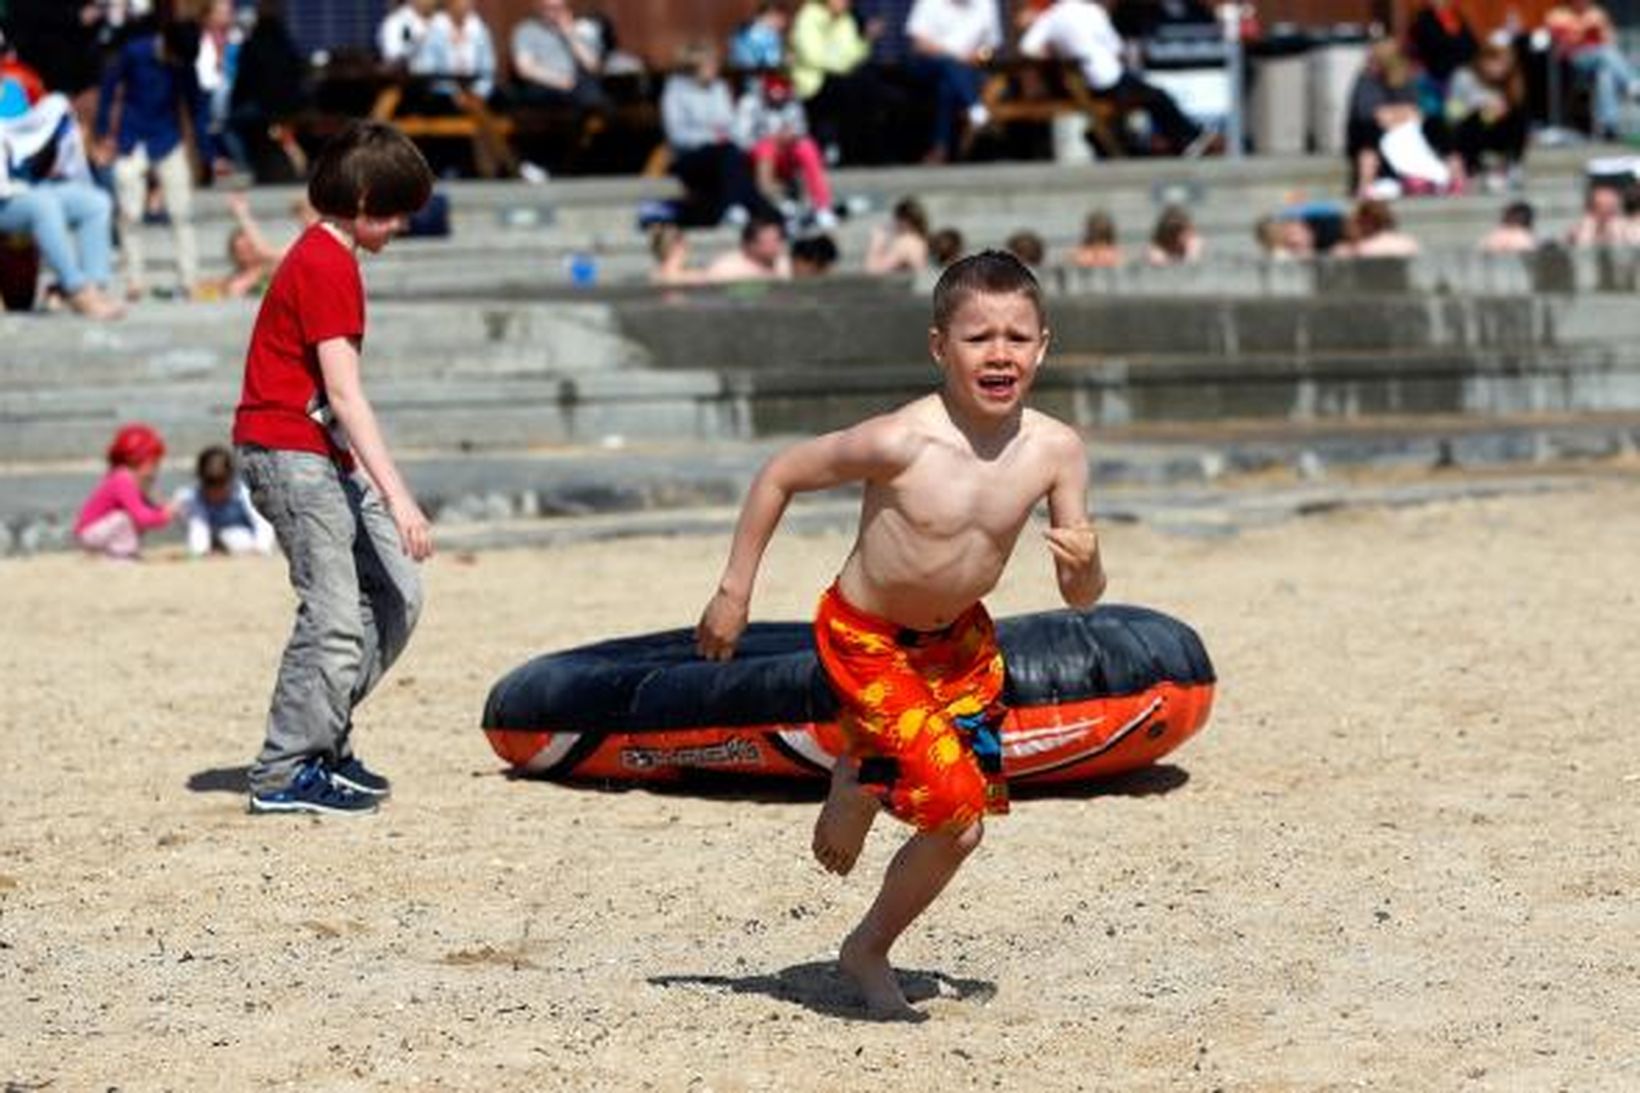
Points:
922	711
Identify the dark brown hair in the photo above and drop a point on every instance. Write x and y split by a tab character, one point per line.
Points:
1372	217
215	467
991	273
370	168
1173	227
909	211
945	246
1098	229
1027	246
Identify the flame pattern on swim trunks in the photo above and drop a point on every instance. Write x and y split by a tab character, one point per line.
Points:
929	701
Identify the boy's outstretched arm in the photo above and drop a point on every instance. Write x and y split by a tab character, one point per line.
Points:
339	362
1071	535
862	452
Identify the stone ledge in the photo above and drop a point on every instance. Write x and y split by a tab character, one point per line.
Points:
631	491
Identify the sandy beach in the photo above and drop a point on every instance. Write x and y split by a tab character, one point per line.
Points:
1402	855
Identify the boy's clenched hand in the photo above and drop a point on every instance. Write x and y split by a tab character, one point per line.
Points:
721	625
1077	547
1081	573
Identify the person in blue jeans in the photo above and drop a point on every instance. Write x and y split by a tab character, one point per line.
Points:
951	42
304	431
46	192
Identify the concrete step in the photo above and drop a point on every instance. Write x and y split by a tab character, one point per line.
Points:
1225	225
846	323
702	405
986	201
1177	482
164	341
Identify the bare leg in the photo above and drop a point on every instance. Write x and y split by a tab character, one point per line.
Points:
840	831
918	873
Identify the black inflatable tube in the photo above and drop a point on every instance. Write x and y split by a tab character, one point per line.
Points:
657	682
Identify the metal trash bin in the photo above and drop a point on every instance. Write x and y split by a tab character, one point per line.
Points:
1277	116
1335	61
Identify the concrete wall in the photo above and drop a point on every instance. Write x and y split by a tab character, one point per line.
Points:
498	375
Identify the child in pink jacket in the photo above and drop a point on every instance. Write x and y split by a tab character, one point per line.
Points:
119	511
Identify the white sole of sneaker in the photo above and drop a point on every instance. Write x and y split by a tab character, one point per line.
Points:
267	808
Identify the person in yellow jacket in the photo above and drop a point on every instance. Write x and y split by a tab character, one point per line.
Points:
848	103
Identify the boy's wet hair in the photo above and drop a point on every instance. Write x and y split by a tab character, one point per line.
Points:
370	168
214	467
991	273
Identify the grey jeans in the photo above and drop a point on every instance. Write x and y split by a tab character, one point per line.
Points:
358	598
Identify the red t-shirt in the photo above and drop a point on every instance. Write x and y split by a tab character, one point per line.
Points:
316	294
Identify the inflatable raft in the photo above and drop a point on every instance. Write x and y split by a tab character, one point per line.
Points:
1090	694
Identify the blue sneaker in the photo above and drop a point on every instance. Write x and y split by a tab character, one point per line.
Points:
353	774
312	790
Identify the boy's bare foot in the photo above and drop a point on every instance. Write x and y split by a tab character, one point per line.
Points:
840	830
873	974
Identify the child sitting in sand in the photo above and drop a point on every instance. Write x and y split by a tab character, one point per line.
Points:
218	509
120	510
950	481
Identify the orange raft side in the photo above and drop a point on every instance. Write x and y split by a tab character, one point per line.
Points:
1056	743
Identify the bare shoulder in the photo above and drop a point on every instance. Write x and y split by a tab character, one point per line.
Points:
890	442
1055	438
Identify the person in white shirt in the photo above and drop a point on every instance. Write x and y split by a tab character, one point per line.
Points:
951	40
459	52
219	41
458	44
403	30
1081	31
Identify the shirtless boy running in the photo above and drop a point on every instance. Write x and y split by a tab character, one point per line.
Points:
950	481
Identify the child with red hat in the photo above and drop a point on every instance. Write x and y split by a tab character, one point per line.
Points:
120	511
771	126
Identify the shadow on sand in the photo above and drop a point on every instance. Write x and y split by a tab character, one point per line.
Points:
1148	782
220	780
820	988
1152	781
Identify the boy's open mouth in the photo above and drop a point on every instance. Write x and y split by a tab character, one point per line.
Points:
997	383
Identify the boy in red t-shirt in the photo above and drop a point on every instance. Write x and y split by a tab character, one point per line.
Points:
352	541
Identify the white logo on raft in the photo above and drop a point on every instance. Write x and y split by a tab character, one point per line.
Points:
735	752
1038	741
1099	747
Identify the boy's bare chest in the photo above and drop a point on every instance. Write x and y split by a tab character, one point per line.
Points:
943	498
